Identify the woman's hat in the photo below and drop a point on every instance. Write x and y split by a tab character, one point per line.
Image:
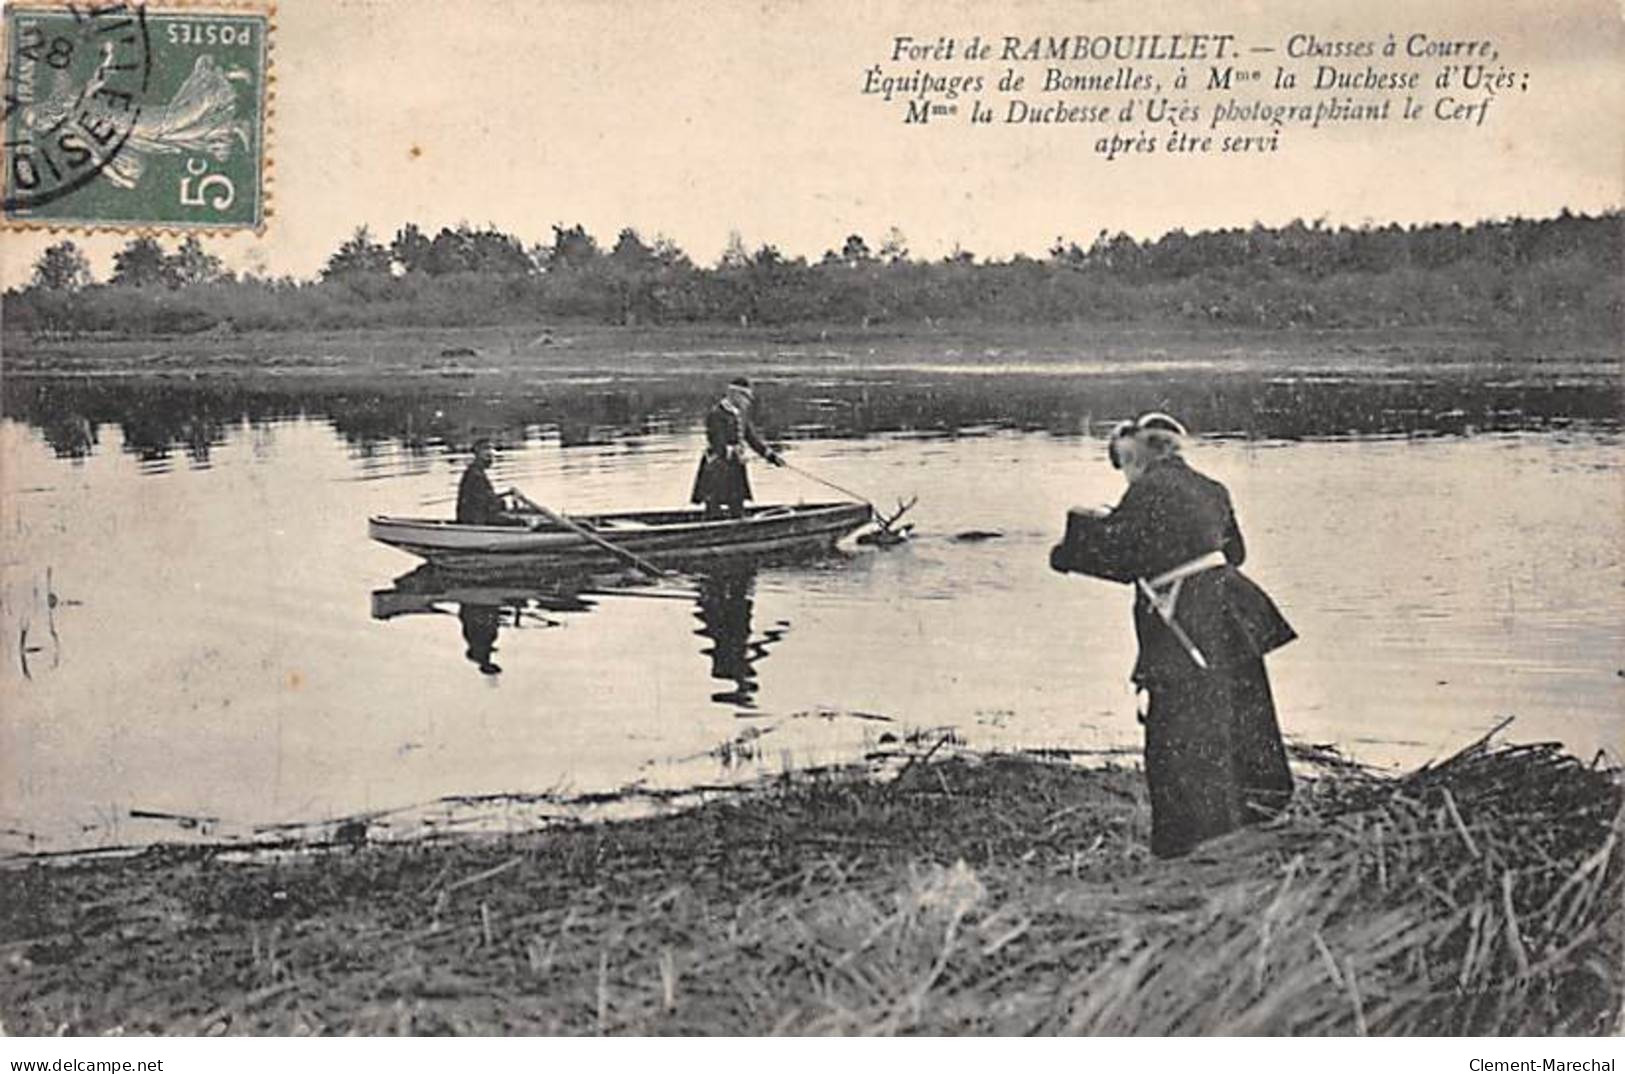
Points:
1156	419
1150	421
1119	431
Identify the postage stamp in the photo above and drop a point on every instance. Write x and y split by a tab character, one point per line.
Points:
122	116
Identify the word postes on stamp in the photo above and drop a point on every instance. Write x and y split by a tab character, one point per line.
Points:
121	116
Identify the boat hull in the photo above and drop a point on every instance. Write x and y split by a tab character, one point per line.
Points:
664	537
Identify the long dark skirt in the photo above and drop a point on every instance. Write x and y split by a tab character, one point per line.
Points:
1214	758
721	483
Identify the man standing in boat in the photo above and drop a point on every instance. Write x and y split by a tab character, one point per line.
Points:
478	504
722	484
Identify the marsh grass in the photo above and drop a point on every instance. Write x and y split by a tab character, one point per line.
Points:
969	895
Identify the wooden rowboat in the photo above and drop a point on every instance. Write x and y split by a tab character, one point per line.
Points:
666	537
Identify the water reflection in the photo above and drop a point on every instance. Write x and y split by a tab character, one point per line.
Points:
481	610
71	436
158	417
1504	601
480	625
723	599
724	609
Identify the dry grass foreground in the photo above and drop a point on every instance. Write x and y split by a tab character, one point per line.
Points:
989	895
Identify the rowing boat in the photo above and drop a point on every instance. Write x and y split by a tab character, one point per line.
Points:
662	536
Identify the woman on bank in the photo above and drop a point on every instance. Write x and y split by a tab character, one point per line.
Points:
1214	758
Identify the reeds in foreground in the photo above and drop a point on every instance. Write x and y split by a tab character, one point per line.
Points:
1480	896
973	895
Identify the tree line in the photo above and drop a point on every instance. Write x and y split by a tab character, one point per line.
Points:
1560	270
141	263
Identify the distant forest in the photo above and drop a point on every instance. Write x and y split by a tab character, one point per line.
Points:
1559	274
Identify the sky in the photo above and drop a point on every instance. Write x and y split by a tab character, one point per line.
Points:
695	119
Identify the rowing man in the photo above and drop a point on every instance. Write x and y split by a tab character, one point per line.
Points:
478	504
722	483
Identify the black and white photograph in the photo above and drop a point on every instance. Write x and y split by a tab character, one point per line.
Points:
581	518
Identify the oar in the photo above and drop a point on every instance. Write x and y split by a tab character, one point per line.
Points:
582	531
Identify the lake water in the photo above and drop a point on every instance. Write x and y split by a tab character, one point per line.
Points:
195	624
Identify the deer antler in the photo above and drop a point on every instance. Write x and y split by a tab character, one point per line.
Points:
902	509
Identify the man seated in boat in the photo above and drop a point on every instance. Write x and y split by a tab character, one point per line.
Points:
722	483
478	504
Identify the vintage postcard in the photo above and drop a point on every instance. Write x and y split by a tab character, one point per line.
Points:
813	518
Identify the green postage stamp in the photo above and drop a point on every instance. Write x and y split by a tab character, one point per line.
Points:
124	116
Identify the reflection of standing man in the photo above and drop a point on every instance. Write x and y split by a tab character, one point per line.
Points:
724	614
725	609
722	483
478	504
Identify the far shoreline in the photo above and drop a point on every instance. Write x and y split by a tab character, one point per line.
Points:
550	350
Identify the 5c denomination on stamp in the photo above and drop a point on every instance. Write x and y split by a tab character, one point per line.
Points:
123	116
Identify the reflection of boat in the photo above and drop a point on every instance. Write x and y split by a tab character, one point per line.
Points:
481	609
722	599
425	591
663	536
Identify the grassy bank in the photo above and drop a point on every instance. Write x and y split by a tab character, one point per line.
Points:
490	355
974	895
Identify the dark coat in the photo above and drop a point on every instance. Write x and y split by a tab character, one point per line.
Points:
477	502
1171	516
1214	758
722	478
